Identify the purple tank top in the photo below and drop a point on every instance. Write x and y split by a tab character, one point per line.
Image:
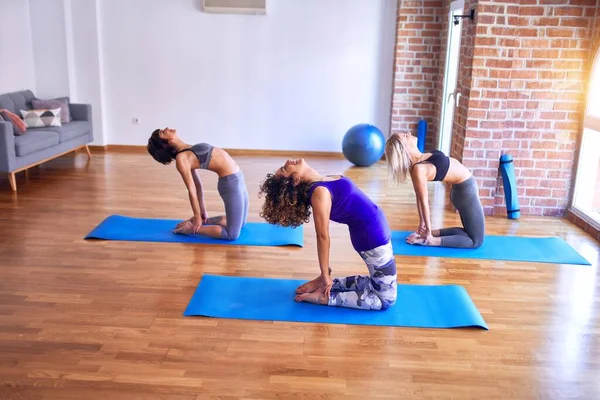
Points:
349	205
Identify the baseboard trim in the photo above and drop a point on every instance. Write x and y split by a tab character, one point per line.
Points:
285	153
121	148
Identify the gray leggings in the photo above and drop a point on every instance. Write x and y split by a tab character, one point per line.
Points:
465	197
234	193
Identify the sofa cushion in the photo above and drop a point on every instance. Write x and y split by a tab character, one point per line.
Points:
68	131
19	126
35	140
16	101
62	102
41	118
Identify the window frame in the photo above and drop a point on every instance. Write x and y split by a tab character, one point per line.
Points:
591	122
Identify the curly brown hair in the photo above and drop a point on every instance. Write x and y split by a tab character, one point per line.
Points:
285	204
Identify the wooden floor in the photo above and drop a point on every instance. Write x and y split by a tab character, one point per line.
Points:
103	320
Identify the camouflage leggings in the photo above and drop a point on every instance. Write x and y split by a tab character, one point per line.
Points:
374	292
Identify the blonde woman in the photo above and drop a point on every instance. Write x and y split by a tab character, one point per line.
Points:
404	158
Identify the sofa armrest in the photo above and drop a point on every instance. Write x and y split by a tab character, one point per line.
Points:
80	112
7	147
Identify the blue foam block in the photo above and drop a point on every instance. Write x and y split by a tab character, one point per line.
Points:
446	306
504	248
117	227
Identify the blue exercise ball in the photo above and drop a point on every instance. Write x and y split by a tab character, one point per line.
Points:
363	145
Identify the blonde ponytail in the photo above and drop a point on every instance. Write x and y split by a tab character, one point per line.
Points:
397	159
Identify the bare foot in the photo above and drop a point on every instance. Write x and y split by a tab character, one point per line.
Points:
411	238
218	220
432	241
315	297
185	228
310	287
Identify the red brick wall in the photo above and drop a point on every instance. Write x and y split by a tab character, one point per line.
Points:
597	28
417	66
524	64
525	96
466	109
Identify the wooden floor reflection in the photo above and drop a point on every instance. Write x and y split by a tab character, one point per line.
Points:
103	320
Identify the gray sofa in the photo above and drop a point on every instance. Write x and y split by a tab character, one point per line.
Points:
37	145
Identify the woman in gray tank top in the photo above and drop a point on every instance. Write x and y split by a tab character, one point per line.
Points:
165	146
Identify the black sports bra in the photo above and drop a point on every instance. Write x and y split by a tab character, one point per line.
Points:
203	151
441	163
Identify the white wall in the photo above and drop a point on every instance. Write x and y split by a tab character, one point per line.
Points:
86	61
16	52
49	36
295	79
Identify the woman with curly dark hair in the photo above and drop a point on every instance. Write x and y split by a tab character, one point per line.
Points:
293	192
164	145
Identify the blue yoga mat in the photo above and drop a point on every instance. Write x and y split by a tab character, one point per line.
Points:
447	306
505	248
509	182
117	227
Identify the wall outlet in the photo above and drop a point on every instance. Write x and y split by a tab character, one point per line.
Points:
135	120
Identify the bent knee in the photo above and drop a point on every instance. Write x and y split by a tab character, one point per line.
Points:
477	242
230	234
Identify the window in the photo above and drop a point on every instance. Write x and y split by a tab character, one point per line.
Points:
586	196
